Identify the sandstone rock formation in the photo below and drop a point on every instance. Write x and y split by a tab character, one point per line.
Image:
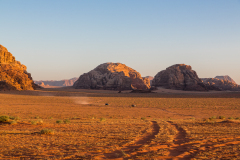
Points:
222	84
112	76
227	78
181	77
13	75
61	83
150	79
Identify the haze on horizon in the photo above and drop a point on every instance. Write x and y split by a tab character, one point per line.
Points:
62	39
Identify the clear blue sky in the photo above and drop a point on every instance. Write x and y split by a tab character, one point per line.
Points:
61	39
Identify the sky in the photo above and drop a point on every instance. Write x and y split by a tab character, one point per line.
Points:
62	39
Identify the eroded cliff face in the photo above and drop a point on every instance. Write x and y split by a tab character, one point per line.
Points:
112	76
13	74
179	76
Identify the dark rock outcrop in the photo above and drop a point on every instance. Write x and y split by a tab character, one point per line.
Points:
180	77
112	76
13	75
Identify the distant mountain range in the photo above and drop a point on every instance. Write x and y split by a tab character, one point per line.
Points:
61	83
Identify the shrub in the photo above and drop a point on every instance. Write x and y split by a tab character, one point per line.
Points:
11	117
59	121
17	118
4	118
14	118
237	118
230	118
213	117
34	122
66	121
143	118
46	131
102	119
221	117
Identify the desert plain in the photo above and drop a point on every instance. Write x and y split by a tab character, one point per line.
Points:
67	123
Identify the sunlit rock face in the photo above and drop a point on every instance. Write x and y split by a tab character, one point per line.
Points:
180	77
225	83
13	74
112	76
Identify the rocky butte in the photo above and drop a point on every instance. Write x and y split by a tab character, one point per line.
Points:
13	74
222	82
112	76
180	77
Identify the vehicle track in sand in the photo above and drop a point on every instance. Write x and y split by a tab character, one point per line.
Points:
131	150
179	148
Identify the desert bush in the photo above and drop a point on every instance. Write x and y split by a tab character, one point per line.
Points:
102	119
14	118
213	117
143	118
230	118
4	118
46	131
221	117
11	117
59	121
237	118
34	122
66	121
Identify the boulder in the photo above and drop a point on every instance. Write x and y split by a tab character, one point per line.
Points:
112	76
180	77
13	74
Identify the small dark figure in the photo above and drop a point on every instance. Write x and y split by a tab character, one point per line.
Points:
106	104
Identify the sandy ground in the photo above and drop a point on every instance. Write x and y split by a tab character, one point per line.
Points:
166	124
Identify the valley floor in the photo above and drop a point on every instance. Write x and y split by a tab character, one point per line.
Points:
66	123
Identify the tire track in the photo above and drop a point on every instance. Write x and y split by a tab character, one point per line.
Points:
179	149
131	150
